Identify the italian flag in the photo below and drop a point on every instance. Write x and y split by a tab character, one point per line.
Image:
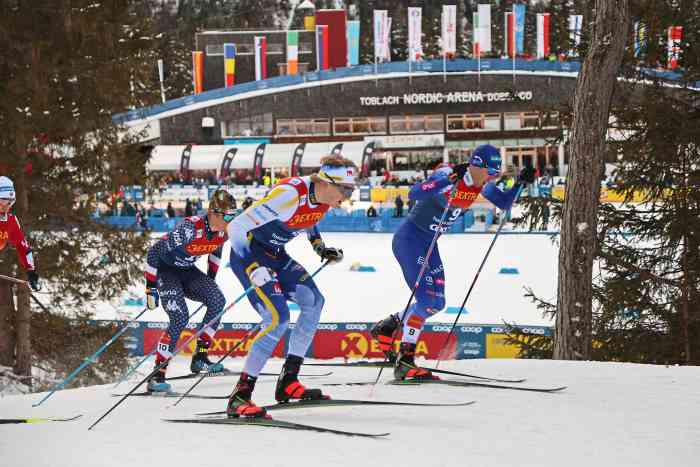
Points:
292	52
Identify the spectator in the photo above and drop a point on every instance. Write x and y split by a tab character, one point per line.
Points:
188	208
399	206
371	212
170	210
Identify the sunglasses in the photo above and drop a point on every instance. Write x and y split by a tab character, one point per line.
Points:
228	217
345	190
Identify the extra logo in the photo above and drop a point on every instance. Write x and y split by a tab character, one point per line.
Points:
354	344
305	219
194	249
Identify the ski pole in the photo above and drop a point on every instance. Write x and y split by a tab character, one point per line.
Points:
245	338
175	352
90	359
443	350
135	367
438	231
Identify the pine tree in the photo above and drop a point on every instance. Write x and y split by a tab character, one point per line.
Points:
66	68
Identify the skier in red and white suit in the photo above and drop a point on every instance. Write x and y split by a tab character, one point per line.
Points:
11	232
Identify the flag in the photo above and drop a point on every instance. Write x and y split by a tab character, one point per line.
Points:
380	22
260	57
229	64
322	51
387	39
675	34
415	48
542	35
476	50
640	38
292	52
519	27
353	35
485	27
198	71
508	33
575	25
449	29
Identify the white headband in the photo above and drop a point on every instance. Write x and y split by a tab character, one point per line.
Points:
341	175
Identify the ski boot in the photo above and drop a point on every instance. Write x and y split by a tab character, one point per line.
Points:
383	332
405	367
201	362
239	404
288	385
157	382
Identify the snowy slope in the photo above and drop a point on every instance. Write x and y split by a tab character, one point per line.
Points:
369	296
611	415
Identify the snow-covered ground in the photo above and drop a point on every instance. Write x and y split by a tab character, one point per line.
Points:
369	296
612	414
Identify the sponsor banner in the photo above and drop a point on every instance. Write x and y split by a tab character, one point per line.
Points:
198	71
542	35
449	29
445	98
519	27
484	29
346	340
415	48
260	57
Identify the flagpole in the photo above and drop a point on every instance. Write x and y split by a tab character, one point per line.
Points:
444	67
515	52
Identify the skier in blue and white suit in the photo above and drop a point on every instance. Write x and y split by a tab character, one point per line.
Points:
414	236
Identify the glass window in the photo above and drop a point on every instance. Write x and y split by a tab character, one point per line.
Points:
550	119
306	47
531	120
473	122
215	49
254	125
285	127
416	123
274	48
304	126
512	121
492	122
342	126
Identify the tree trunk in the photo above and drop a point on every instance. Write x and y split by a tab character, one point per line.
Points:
23	323
7	328
572	340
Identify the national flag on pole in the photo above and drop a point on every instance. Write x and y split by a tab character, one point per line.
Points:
415	48
476	49
542	35
229	64
508	33
292	52
449	30
198	71
640	38
675	35
485	27
353	37
519	27
322	47
575	26
260	57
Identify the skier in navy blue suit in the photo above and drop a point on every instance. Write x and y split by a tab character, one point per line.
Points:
458	186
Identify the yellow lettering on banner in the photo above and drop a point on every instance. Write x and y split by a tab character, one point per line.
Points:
191	345
421	348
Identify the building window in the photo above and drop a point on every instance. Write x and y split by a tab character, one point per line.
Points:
416	124
254	125
275	48
303	126
306	47
473	122
550	120
215	49
521	120
359	126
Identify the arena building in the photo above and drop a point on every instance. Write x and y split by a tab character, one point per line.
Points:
383	117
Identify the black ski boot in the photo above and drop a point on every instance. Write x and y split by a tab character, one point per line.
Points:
288	385
405	367
383	332
239	404
200	360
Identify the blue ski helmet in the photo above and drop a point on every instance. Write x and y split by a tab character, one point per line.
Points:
487	157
